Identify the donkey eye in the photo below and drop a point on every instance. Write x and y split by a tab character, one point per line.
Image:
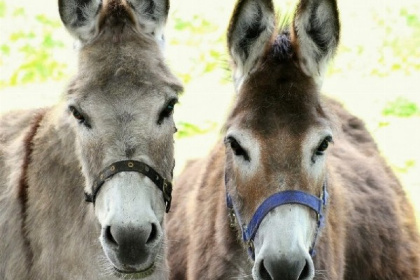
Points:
76	114
323	146
237	149
167	111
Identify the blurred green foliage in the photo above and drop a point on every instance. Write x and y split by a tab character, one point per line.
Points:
401	107
408	164
2	9
186	129
400	53
203	46
199	41
27	54
386	43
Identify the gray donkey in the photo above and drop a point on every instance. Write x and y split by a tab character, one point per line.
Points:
299	190
111	138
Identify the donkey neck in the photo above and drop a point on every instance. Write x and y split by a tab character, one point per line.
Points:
54	167
23	183
57	217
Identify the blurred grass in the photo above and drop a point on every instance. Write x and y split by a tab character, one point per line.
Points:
375	72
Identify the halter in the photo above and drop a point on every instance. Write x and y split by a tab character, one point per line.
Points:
249	231
131	166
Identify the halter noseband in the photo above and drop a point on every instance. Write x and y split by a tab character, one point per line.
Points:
132	166
249	231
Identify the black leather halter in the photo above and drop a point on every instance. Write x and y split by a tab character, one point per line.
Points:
132	166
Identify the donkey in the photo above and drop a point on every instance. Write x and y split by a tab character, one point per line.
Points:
298	191
110	137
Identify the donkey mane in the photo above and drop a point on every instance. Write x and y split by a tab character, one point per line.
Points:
117	15
282	47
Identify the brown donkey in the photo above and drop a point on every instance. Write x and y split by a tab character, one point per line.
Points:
112	138
299	190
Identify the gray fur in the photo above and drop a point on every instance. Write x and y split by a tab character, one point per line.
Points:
122	86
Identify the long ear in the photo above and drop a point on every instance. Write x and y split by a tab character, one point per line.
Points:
250	30
315	35
151	15
80	17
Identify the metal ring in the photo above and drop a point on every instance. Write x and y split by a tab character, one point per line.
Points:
130	164
250	244
113	168
232	218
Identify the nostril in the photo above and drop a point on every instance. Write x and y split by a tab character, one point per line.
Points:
109	237
283	268
305	272
264	275
153	234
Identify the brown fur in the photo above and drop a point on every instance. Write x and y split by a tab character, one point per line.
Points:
370	230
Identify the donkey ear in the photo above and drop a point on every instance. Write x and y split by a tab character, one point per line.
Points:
80	17
151	15
250	30
315	35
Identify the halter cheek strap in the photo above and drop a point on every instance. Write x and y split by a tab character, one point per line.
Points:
132	166
249	231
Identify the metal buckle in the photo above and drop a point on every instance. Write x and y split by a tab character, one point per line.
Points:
232	218
251	248
167	205
167	197
165	188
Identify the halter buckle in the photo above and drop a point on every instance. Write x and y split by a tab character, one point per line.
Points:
166	191
251	248
250	244
232	218
167	197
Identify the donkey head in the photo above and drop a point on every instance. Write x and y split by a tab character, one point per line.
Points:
278	132
120	104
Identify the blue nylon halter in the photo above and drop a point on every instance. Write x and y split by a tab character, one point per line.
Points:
285	197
